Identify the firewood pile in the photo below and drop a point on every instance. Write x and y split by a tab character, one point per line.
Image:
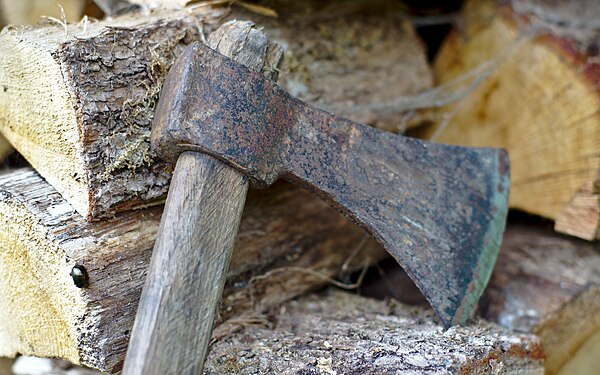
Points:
307	291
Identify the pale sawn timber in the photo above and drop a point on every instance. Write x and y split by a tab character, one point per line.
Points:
287	242
30	12
342	333
78	104
549	285
541	102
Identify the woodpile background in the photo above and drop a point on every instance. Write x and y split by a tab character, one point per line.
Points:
307	291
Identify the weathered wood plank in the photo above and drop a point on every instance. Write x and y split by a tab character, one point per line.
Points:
341	333
78	105
541	102
289	242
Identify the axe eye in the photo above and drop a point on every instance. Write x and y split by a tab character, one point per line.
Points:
80	276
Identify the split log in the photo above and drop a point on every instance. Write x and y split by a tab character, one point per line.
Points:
541	101
549	285
348	57
29	12
78	104
289	242
341	333
543	283
581	216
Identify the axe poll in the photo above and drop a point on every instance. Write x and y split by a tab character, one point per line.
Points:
439	210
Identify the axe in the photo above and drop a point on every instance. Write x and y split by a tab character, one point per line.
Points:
439	210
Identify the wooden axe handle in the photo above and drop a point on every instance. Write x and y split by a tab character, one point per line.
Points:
188	268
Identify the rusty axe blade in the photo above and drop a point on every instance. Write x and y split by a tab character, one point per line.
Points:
440	210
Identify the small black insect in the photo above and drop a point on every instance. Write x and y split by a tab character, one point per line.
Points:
80	276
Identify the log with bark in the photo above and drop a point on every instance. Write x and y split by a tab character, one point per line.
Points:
342	333
98	87
29	12
337	332
289	243
539	98
544	283
78	103
549	284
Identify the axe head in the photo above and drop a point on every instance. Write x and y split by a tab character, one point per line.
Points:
440	210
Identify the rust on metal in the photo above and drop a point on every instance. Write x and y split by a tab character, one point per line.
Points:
439	210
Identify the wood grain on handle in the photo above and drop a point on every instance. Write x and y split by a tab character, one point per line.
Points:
188	268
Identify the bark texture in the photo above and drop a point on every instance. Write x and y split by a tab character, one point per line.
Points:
549	285
341	333
78	104
540	99
289	242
